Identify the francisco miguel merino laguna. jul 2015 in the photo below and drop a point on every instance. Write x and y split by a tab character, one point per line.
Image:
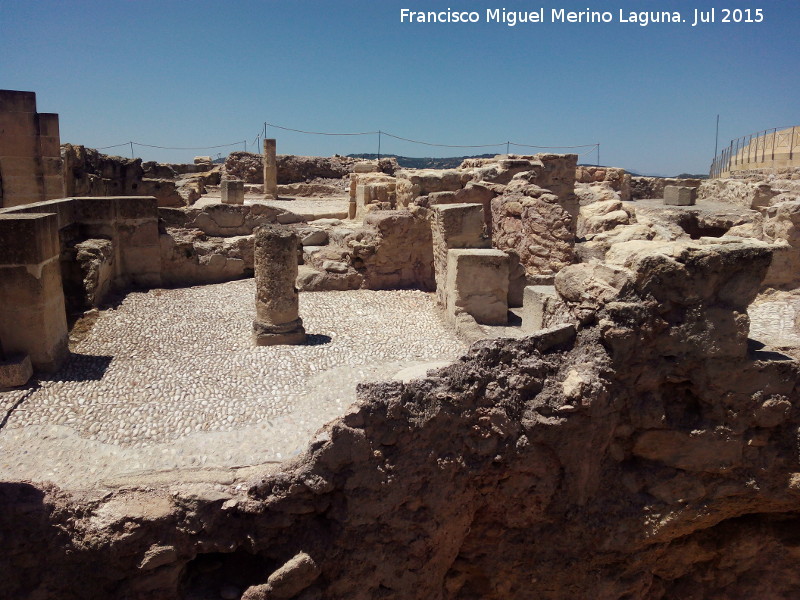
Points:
561	15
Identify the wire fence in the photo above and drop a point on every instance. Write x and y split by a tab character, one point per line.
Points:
263	134
771	148
255	145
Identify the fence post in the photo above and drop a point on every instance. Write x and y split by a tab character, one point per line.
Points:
791	145
379	144
774	137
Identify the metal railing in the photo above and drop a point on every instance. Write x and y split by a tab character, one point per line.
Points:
771	148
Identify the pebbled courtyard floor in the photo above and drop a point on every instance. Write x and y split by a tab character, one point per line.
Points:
168	384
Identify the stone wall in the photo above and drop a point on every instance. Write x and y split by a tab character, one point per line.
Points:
31	246
653	187
399	254
88	172
30	161
620	459
748	194
532	223
248	167
32	320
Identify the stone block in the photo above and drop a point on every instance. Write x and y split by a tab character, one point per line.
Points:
460	225
137	207
93	210
365	166
28	239
33	320
232	191
477	283
15	371
64	209
535	300
680	195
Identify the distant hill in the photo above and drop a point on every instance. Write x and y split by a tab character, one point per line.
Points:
423	163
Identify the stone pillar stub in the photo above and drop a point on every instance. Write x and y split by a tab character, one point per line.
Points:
232	191
680	195
277	301
535	299
270	169
454	226
477	283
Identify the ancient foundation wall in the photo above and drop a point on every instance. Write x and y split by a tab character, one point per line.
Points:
31	245
30	157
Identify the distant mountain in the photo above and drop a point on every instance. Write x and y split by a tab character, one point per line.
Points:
423	163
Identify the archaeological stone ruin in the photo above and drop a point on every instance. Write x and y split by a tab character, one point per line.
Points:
292	377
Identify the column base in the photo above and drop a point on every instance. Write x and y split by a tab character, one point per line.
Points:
267	334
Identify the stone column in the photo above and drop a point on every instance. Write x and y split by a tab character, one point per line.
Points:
277	320
270	169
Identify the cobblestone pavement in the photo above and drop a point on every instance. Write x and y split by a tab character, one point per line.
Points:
169	379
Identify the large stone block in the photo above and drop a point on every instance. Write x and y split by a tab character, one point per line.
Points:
477	283
64	209
92	210
460	225
33	320
535	299
232	191
454	226
28	239
137	207
680	195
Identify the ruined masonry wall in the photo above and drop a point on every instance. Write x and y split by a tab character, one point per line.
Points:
30	155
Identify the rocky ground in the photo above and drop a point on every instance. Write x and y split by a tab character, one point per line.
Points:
169	379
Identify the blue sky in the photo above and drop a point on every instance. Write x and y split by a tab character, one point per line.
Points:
172	73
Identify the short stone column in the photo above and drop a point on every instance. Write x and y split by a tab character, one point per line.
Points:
270	169
232	191
277	320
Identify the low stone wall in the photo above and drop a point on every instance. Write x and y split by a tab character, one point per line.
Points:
643	188
223	220
248	167
33	320
748	194
88	172
615	178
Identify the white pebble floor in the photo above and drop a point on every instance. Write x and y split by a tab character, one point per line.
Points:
170	380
